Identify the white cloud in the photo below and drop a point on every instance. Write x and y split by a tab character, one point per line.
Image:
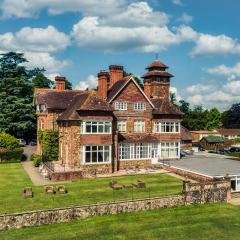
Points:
177	2
207	44
31	8
175	91
45	60
231	72
137	14
90	33
37	44
90	83
35	39
221	95
185	18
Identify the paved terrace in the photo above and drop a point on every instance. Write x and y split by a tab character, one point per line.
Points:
210	165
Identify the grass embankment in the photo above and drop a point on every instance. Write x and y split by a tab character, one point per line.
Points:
199	222
13	179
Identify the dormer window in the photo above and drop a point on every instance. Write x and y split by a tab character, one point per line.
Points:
139	106
41	107
120	105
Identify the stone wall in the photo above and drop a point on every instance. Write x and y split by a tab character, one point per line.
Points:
37	218
193	193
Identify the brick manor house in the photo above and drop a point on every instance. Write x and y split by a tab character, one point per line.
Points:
119	126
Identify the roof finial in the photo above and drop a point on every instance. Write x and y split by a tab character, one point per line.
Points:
156	56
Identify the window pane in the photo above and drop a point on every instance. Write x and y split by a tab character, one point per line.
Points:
100	156
87	157
94	156
106	156
88	128
94	148
87	148
100	128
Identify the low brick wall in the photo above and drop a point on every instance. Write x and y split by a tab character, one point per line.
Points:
37	218
193	193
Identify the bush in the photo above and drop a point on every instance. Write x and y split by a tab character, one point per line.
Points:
9	142
36	159
49	142
11	155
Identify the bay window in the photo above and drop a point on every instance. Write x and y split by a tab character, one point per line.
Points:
139	126
136	151
167	127
97	153
96	127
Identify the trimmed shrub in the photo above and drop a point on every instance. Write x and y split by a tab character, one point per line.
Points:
9	142
11	155
49	142
36	159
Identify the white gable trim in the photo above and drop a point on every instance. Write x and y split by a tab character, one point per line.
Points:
131	79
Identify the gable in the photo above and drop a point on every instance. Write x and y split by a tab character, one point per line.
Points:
131	92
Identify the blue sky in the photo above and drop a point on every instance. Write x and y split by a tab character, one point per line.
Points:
198	40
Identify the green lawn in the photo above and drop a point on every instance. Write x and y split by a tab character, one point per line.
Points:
199	222
13	178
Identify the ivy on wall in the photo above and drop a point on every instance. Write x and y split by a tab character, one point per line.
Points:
49	142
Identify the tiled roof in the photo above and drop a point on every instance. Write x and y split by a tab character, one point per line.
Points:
204	132
214	139
185	134
116	87
163	106
84	102
55	99
156	63
157	73
229	131
136	138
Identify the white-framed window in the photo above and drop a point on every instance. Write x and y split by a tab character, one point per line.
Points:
136	151
169	149
41	107
139	106
167	127
99	127
122	126
139	126
120	105
97	154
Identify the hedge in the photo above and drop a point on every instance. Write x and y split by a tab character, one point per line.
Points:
11	155
235	154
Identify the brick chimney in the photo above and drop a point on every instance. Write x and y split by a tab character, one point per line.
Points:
116	73
102	84
147	89
60	83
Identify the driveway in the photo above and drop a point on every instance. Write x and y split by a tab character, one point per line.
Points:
29	150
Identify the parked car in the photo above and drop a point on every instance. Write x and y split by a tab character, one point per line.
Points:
234	149
33	142
22	142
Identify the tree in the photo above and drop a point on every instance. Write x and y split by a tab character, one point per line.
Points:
184	106
17	113
68	85
173	97
231	118
214	120
41	81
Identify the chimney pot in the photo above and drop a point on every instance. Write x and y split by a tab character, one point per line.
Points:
60	83
102	84
116	73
